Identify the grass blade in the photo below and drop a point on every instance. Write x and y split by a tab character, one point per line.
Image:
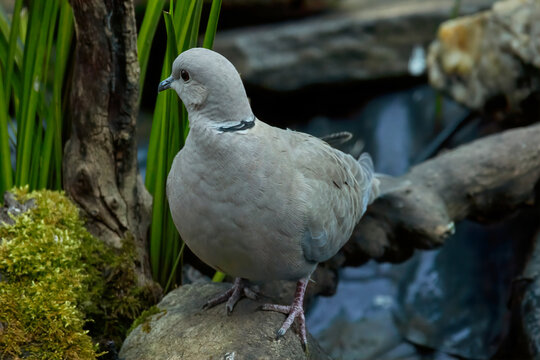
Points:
183	35
6	172
195	21
29	100
218	276
159	171
34	49
44	152
175	266
169	130
63	47
14	34
211	27
146	35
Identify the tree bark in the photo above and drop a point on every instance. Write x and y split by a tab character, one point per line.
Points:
100	159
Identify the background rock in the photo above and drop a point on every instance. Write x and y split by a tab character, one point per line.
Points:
12	207
366	338
244	12
359	40
184	331
490	59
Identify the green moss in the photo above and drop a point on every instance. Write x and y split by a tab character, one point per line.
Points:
122	299
144	319
59	284
44	281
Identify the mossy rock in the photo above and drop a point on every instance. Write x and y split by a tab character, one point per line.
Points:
61	289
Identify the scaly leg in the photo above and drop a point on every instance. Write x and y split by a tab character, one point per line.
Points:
232	295
293	311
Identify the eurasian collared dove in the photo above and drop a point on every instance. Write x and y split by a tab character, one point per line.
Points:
254	201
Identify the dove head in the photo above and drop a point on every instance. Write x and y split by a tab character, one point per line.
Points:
209	86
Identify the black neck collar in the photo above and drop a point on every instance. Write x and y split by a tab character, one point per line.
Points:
242	125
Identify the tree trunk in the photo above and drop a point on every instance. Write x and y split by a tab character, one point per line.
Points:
100	160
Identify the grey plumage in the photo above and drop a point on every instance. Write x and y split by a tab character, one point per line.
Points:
337	139
249	204
260	203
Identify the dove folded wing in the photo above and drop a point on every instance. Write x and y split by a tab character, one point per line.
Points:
337	189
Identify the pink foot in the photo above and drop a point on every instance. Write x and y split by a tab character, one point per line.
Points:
232	296
293	311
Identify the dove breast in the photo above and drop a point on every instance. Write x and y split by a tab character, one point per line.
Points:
266	204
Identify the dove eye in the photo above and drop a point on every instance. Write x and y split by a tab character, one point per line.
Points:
184	75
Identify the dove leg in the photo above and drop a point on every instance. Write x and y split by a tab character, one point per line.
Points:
232	295
293	311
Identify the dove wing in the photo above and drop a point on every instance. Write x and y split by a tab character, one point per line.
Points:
337	189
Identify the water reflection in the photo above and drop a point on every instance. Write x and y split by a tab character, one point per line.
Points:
393	138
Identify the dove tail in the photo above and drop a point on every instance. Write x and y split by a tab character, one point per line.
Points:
379	184
389	184
370	181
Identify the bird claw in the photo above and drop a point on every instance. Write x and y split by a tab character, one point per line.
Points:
284	309
296	310
293	311
232	296
218	299
280	333
250	294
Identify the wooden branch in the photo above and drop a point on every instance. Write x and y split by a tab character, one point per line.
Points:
482	181
100	160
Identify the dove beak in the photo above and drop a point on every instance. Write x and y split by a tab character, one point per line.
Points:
165	84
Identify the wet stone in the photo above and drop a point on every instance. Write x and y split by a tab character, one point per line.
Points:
12	207
183	330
